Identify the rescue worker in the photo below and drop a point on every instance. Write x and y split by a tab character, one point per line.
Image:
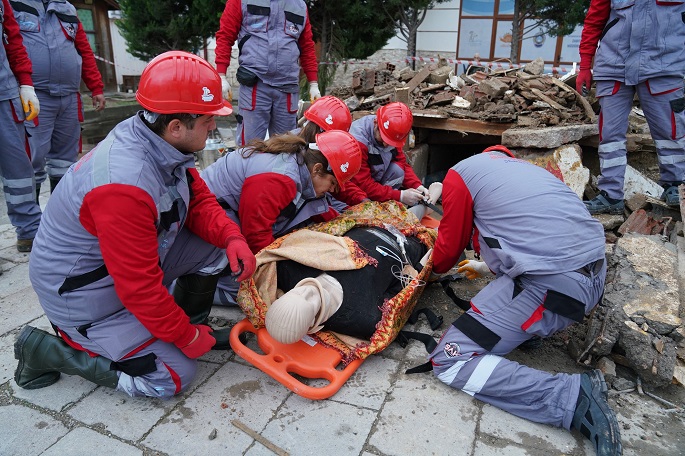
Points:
18	101
61	55
128	219
640	51
547	255
331	113
385	174
274	40
275	186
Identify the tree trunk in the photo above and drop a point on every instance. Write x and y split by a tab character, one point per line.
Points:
515	33
412	28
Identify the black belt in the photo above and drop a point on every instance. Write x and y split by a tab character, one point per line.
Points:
591	269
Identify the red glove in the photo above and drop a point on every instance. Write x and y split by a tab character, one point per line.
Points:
201	344
240	258
584	78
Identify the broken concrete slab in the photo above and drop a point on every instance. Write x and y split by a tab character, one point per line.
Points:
493	87
564	162
440	75
610	221
636	182
417	158
549	137
640	312
536	67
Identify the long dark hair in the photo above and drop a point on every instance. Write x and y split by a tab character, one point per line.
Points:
288	143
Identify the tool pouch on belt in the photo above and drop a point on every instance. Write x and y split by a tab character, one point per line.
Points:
246	77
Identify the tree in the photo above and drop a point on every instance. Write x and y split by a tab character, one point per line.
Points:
352	29
408	15
556	17
151	27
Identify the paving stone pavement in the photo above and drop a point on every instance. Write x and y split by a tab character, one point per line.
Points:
379	411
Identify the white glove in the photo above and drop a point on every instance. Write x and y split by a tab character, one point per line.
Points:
473	269
29	101
423	190
434	192
314	93
226	91
410	196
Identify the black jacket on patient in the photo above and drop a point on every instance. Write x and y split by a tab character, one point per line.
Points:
366	289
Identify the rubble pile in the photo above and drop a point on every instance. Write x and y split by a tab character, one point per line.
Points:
524	96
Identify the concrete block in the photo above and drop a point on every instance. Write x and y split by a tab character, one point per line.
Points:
636	182
440	75
493	87
549	137
564	162
417	158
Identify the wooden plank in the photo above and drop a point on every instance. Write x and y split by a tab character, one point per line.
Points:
462	125
419	78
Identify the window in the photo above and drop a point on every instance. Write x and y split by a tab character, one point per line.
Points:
485	30
86	18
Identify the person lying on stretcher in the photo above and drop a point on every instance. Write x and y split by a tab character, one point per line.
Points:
345	302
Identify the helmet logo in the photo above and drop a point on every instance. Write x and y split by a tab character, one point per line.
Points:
206	94
344	167
386	124
329	119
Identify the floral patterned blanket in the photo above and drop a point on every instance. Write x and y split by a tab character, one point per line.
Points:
323	246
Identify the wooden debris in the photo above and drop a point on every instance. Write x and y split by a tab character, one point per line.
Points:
258	437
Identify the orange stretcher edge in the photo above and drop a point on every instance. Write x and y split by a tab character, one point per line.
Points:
308	361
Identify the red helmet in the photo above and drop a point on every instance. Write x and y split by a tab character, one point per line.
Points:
181	82
329	113
500	148
394	122
343	153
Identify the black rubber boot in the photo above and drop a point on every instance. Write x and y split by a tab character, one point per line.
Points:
194	293
53	183
43	356
593	416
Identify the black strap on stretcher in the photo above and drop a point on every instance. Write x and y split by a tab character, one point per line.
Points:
445	282
435	321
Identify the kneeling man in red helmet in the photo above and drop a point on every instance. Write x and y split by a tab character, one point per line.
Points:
128	219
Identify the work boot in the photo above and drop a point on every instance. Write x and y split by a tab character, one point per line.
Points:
24	245
593	416
53	183
671	194
602	204
194	293
43	356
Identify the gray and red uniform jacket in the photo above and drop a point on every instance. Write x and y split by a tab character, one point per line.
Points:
57	46
274	40
638	40
111	224
15	66
384	170
517	227
270	194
